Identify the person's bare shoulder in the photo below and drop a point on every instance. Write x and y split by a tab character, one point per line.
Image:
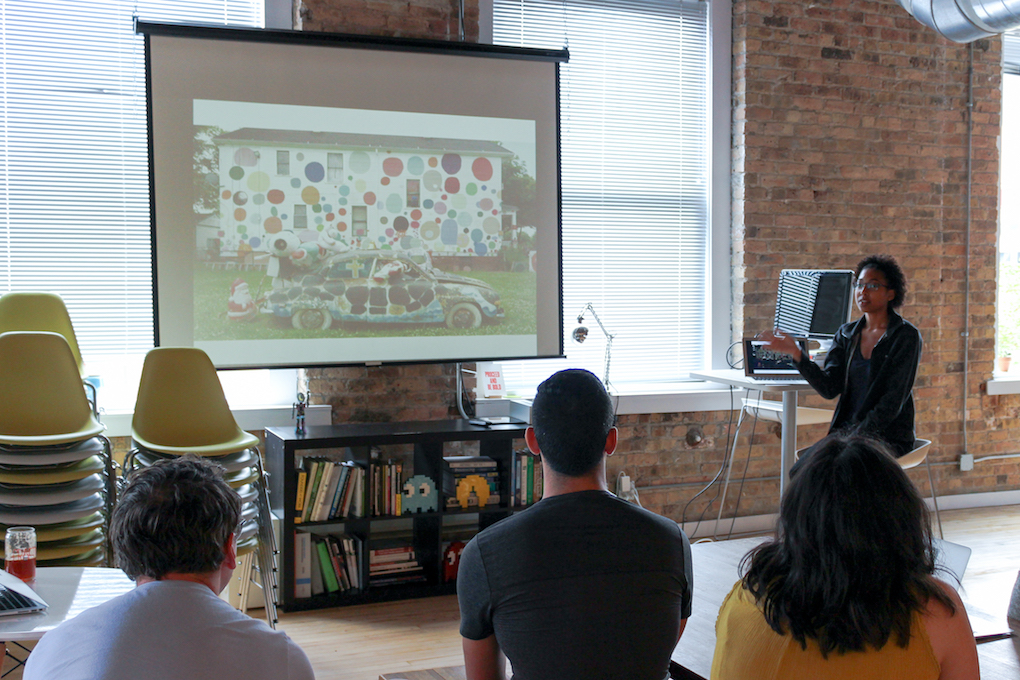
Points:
952	640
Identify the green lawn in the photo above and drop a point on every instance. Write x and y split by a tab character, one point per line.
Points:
212	288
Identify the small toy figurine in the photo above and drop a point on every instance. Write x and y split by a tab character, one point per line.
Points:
451	561
240	306
297	412
420	495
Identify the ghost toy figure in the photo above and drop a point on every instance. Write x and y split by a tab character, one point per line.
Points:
389	270
451	561
419	495
240	306
471	483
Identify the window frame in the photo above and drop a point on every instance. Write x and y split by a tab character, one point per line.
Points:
720	284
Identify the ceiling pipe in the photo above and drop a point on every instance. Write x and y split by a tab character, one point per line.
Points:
964	21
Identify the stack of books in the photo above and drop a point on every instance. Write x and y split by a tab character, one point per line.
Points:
456	468
326	564
526	480
387	486
393	562
328	489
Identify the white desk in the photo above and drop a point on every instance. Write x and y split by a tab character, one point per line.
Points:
68	591
788	388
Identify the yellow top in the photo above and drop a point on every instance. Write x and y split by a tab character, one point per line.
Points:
746	647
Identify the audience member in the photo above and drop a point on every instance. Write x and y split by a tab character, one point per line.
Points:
847	588
173	534
581	585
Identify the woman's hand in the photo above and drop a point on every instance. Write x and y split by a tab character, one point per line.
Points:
778	341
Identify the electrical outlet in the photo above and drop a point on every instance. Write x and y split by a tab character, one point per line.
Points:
967	462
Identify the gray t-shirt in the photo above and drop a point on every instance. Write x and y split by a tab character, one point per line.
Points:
579	586
166	630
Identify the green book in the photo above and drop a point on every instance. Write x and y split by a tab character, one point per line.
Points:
529	484
315	477
326	562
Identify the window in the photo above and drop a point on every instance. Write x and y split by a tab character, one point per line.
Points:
74	186
413	193
335	167
359	221
300	216
635	134
1008	314
283	163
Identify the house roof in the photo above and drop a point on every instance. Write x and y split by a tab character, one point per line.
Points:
360	141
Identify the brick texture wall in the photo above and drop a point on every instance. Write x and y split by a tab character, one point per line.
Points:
849	138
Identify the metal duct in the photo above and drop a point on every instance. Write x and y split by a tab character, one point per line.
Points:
965	20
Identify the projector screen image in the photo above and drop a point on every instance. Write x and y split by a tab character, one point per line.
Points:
403	209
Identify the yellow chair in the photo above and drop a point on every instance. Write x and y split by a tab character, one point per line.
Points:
916	456
181	409
43	312
56	464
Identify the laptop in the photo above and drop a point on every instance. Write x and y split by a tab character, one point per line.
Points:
761	363
18	598
950	561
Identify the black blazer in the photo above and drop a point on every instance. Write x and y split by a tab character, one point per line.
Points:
887	412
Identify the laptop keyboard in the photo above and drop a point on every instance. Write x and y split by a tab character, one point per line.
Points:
12	601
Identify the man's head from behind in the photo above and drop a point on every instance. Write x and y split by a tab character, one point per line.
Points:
572	415
174	517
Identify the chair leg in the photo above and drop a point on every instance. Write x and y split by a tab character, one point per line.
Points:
934	499
266	552
729	470
111	498
244	569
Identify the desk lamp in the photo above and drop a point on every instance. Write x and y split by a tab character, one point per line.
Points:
580	334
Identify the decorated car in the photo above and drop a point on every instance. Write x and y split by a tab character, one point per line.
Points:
382	286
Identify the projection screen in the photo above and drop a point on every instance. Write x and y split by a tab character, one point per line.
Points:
323	199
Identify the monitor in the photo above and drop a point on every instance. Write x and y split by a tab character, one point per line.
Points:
813	303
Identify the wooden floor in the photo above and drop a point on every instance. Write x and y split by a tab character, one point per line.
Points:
360	643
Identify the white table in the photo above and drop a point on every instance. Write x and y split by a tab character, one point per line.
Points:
788	388
68	591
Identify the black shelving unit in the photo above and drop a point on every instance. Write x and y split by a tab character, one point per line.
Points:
284	448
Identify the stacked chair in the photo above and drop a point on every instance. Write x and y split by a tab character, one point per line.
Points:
44	312
56	469
181	409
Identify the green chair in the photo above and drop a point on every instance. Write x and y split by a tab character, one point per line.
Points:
181	409
56	467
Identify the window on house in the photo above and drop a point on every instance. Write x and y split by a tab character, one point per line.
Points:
283	162
74	184
359	221
300	216
634	101
335	167
413	193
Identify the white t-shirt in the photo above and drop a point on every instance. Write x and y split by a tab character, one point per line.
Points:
166	630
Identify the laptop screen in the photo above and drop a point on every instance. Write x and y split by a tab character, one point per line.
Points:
762	363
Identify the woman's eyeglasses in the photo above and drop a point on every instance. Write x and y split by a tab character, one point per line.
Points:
871	285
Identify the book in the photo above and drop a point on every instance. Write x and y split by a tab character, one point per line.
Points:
328	479
318	588
339	565
529	483
329	579
315	474
299	497
336	504
350	553
302	564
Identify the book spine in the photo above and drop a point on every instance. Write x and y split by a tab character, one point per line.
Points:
320	497
326	563
302	564
313	490
302	480
530	482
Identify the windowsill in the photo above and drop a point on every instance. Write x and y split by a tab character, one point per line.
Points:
1004	383
251	418
677	397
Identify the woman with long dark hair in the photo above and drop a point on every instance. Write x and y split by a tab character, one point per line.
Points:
847	589
872	362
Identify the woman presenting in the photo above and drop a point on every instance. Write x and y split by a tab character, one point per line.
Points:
872	362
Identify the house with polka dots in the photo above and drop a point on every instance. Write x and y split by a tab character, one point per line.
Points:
369	191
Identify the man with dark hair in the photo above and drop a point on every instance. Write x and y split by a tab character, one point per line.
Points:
582	584
173	533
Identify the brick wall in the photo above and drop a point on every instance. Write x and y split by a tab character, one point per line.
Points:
849	138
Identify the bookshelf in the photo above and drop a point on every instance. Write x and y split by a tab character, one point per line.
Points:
285	449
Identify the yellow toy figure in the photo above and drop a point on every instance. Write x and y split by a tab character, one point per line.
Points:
472	483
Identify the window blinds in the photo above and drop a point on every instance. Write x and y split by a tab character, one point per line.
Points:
74	184
634	147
